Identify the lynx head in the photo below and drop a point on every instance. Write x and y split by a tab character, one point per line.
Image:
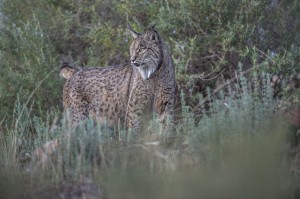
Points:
146	52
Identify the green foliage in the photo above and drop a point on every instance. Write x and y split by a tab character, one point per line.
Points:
27	68
207	39
239	149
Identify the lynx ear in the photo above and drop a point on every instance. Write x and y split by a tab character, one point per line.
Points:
153	33
134	33
152	27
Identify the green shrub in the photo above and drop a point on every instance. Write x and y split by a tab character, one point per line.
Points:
28	69
207	39
239	149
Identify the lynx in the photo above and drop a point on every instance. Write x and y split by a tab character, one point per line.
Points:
125	94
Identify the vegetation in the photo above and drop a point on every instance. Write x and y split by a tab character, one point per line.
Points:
240	150
229	143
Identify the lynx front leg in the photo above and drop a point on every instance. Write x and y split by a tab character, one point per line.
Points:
137	113
134	124
167	120
165	109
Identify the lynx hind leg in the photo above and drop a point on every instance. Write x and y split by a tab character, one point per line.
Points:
79	111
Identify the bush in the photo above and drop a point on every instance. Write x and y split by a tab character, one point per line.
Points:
207	38
28	69
238	150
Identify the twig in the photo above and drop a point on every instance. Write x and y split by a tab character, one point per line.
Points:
208	79
266	55
219	88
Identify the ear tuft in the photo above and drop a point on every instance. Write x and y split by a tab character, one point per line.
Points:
134	33
152	27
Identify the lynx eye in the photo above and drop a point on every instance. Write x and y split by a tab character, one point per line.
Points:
142	47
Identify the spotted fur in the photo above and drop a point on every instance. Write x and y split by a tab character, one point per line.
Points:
125	94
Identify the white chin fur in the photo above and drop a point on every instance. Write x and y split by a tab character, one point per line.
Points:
146	72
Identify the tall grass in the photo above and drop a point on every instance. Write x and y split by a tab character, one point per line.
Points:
238	149
28	59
